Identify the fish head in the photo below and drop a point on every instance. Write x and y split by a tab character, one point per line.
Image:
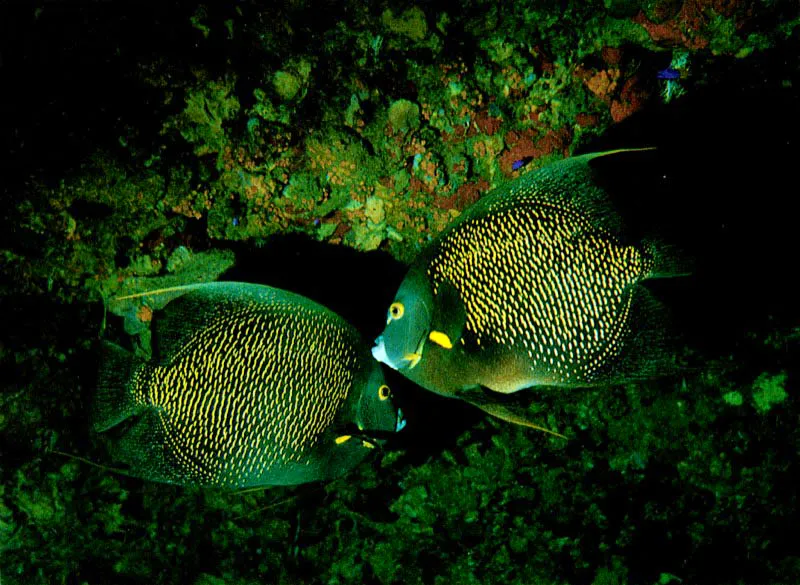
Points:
377	409
408	324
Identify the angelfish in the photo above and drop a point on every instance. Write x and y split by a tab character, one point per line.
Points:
248	386
533	285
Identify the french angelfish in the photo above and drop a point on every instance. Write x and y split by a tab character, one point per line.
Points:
249	386
533	285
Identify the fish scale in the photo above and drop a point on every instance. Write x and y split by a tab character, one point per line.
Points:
251	390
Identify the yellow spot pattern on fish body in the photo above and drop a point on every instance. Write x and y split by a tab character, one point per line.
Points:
256	415
540	277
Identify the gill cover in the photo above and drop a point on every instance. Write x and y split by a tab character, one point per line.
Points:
419	320
408	319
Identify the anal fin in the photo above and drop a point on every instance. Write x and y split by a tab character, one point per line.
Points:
504	412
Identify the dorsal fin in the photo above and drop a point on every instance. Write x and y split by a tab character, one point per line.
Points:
183	310
137	309
573	182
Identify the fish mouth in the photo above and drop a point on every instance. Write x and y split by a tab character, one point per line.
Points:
401	421
379	353
409	360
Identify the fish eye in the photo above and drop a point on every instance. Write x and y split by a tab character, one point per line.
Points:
384	392
396	310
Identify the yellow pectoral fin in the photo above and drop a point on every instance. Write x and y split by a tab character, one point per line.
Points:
413	358
441	339
503	413
342	439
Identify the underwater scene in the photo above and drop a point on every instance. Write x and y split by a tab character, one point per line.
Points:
399	293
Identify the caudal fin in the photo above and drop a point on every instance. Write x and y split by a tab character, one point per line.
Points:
668	261
114	400
652	347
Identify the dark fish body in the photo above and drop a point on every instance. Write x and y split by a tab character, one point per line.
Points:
251	386
534	285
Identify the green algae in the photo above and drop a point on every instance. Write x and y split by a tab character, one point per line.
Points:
286	84
733	398
410	24
769	390
207	110
404	115
293	80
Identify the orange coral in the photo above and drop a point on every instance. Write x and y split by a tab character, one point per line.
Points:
603	83
631	99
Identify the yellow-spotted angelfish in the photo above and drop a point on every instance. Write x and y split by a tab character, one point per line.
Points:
248	386
533	285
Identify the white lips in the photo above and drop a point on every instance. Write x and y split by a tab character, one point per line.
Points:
379	353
